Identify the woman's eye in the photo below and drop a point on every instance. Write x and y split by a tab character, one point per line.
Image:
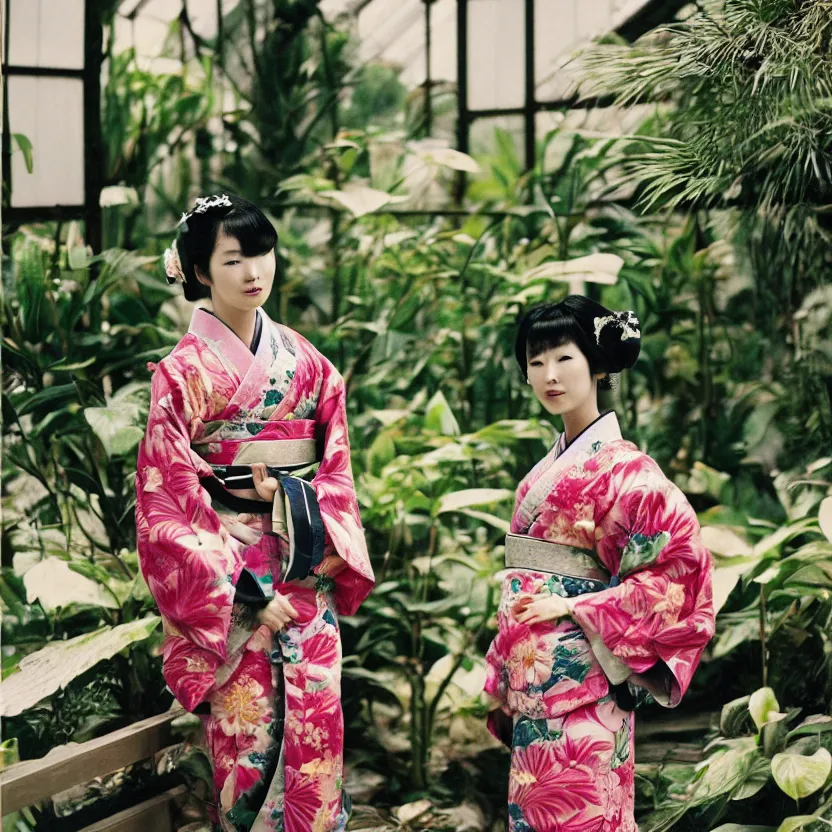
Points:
565	358
232	262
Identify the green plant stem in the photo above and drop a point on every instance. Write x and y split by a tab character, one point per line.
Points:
763	644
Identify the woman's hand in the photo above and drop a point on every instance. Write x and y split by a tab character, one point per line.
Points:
533	609
277	614
266	487
331	566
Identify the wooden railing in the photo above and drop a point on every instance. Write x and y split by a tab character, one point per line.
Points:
24	784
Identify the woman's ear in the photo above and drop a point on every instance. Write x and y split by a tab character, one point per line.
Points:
201	276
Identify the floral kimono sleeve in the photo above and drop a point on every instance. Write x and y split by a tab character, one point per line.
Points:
335	490
189	561
651	628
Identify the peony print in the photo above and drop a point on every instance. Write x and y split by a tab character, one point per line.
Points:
212	400
240	707
647	623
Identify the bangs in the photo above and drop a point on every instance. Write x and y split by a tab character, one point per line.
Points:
256	235
555	332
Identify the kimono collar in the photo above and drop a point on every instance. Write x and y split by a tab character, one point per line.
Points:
604	429
230	348
586	444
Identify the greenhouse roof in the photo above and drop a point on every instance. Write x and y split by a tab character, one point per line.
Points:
395	32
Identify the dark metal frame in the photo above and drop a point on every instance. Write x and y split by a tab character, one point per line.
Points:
90	76
651	14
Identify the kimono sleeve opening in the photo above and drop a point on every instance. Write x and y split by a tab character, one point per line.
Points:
189	561
651	628
335	490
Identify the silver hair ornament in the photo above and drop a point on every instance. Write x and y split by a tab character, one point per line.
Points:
626	321
173	265
205	204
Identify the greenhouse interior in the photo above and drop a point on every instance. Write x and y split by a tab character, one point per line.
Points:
434	174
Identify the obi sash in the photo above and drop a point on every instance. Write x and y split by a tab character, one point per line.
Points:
525	552
294	510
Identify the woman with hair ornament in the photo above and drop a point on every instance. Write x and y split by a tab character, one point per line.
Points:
606	597
249	563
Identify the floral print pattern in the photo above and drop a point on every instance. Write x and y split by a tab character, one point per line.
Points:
574	773
572	760
275	730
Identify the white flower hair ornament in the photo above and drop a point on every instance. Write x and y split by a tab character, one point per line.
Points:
205	204
626	321
173	265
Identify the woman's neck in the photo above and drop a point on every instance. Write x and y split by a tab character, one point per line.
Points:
579	419
242	322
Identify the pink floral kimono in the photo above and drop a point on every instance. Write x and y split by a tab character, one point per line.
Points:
271	705
624	540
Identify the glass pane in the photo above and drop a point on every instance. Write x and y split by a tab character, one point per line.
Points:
496	53
50	113
47	33
555	33
560	30
484	139
594	18
381	26
443	41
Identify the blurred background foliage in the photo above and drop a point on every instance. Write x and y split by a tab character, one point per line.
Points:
408	264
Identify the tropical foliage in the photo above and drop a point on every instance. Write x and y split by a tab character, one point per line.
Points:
418	309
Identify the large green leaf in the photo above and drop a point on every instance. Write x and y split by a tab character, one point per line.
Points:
473	497
361	200
115	426
762	706
439	416
800	776
56	665
55	585
594	268
825	517
25	146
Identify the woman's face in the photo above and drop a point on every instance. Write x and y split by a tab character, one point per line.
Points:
561	380
238	282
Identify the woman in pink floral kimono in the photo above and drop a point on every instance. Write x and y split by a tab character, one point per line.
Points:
607	590
250	564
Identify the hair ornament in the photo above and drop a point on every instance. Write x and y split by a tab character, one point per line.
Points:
626	321
205	204
173	265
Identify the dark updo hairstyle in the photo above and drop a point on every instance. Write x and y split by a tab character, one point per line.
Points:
572	320
198	236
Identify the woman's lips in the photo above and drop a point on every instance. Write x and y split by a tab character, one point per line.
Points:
554	394
253	291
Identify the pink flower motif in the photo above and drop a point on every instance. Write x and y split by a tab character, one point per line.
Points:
671	604
241	707
529	662
301	802
322	650
553	794
194	605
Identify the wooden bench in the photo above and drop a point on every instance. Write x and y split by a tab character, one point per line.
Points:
23	784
